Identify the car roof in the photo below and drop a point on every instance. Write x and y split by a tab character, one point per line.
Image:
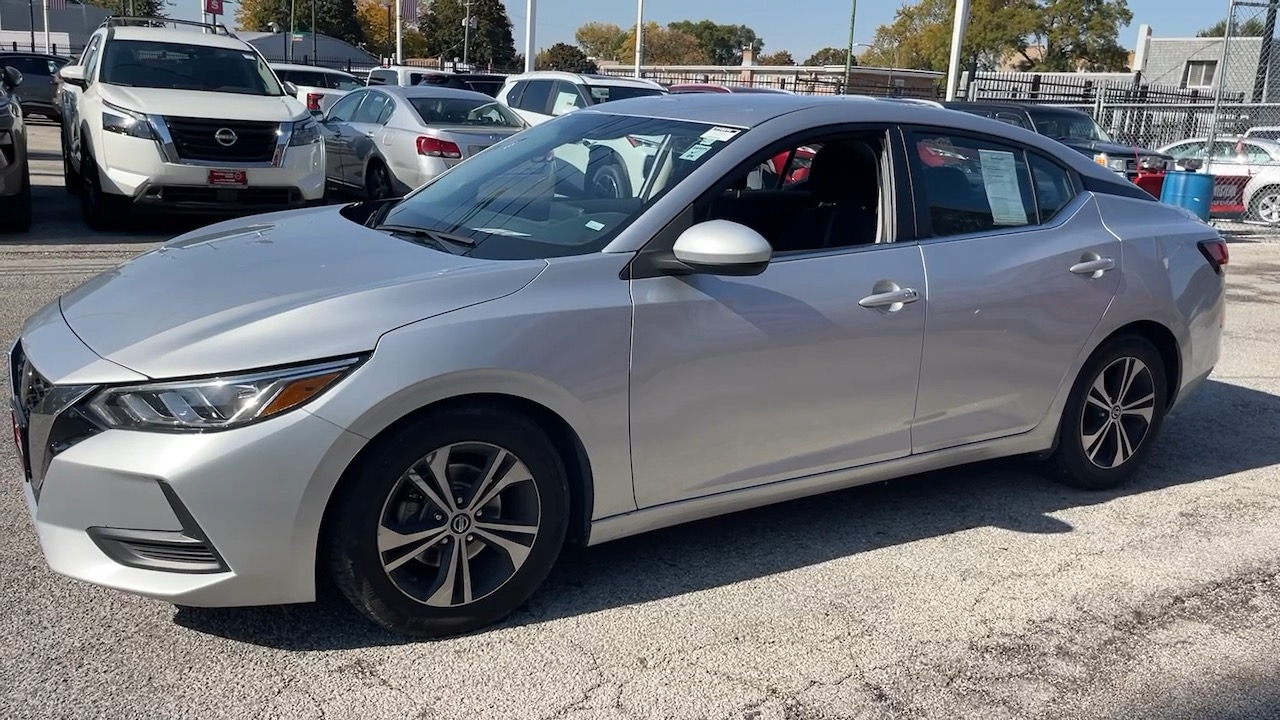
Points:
174	35
585	78
431	91
315	68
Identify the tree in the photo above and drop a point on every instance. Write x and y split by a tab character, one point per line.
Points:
721	44
828	56
335	18
371	15
603	41
563	56
1080	35
782	57
666	46
1253	27
492	43
138	8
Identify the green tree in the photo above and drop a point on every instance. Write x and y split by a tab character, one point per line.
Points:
335	18
782	57
563	56
1253	27
721	44
666	46
601	40
828	56
1080	35
492	44
137	8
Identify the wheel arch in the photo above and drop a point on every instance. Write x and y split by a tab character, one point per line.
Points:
1166	344
565	439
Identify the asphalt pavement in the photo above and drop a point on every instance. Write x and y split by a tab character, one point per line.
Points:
985	592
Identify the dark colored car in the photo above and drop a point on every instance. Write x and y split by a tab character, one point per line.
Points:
39	93
685	88
479	82
15	175
1077	130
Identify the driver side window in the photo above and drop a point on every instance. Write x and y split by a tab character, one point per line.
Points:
821	194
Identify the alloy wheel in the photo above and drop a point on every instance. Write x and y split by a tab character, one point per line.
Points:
459	524
1118	412
1267	208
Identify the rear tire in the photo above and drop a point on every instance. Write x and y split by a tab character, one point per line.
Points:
377	181
1113	415
15	212
482	541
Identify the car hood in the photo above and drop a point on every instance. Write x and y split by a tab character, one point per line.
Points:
1094	146
274	289
211	105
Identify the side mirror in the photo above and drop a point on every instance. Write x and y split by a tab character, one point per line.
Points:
722	247
1190	164
290	88
72	75
12	78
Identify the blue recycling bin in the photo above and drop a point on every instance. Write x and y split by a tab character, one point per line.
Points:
1190	190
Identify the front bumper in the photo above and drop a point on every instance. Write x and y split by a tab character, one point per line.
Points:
137	168
216	519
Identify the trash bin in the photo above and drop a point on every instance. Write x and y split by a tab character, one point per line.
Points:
1190	190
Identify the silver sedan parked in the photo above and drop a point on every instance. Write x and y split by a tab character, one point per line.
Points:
384	141
425	399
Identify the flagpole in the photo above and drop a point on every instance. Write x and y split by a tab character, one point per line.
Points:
46	26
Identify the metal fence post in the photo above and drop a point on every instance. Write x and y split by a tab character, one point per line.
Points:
1220	77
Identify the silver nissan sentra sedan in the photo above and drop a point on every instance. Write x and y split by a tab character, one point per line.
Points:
424	399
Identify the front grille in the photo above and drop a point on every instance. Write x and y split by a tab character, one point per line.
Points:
269	197
197	139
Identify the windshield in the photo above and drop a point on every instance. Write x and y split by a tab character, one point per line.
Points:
606	93
453	111
178	66
564	187
1069	127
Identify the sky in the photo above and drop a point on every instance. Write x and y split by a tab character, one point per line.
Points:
823	24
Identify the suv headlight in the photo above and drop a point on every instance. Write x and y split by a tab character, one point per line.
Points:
217	403
305	132
126	122
1115	164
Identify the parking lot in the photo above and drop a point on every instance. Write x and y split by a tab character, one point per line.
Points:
987	592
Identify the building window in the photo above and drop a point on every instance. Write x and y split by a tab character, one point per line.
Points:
1199	74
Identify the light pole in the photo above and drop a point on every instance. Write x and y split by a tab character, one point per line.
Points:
958	27
467	24
848	56
530	6
639	35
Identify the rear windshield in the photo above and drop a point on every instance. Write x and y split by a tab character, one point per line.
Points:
608	93
463	111
179	66
319	79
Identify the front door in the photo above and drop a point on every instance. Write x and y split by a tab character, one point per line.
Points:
806	368
339	135
1021	270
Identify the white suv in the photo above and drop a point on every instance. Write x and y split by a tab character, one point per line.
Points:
181	120
610	169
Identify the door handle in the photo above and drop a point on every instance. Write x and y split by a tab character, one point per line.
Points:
901	296
1094	266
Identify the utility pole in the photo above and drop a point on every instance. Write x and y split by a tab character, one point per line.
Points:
848	58
399	32
466	33
958	28
639	36
530	6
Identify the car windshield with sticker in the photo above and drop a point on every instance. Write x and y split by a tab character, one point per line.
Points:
565	187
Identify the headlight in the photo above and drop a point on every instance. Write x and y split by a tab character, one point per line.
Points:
305	132
215	403
1115	164
126	122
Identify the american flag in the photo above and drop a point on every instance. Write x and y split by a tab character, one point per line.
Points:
408	11
57	4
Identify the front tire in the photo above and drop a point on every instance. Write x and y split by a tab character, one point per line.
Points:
100	210
1113	416
449	523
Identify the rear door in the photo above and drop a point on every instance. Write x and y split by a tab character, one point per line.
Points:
338	135
366	125
1020	271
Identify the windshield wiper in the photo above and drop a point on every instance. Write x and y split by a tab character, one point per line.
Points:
436	235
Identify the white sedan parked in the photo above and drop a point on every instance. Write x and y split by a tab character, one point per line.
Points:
1248	172
386	140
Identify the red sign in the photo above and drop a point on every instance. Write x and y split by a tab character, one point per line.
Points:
228	178
213	7
1228	194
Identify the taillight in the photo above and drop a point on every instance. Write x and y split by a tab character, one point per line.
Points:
1215	251
313	100
434	147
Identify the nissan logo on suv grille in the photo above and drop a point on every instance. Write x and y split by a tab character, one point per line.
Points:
226	137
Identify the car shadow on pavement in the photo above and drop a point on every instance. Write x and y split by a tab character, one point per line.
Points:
1222	430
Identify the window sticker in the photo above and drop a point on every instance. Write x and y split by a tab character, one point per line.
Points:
595	225
719	134
696	151
1000	178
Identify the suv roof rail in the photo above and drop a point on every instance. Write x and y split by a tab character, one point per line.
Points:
138	21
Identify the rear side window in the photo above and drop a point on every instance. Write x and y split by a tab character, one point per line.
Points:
1053	186
971	185
536	96
382	77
